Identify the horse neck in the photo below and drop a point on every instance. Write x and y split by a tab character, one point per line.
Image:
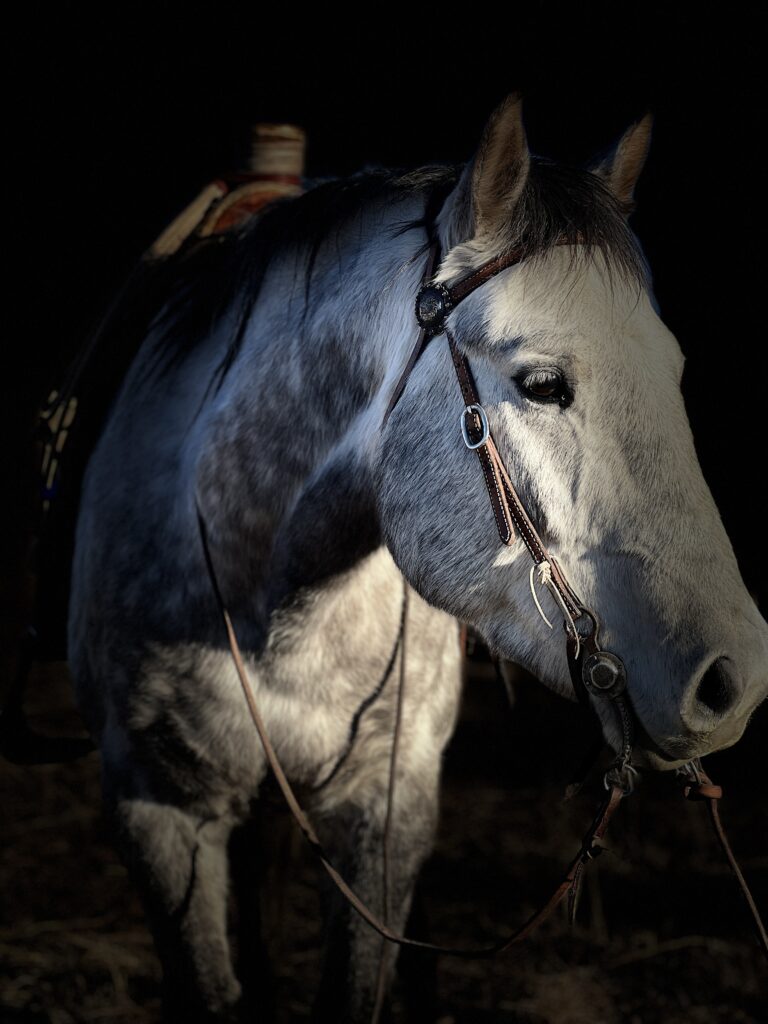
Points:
284	471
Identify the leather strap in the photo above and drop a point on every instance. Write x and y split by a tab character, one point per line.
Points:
699	786
421	342
467	284
508	509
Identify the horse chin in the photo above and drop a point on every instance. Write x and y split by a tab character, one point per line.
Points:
652	760
676	752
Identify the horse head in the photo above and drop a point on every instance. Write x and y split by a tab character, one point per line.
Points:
580	379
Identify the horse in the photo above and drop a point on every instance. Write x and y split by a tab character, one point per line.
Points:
256	403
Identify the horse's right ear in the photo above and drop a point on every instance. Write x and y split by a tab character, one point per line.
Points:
484	199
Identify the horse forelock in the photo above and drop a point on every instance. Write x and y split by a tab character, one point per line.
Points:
559	204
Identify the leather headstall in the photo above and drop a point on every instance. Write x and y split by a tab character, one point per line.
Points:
594	672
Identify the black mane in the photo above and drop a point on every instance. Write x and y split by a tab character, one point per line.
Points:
223	275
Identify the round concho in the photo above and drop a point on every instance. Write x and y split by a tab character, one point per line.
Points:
433	304
603	674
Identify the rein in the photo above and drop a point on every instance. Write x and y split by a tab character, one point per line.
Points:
597	675
590	848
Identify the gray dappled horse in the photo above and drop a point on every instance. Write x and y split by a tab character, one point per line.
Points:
259	391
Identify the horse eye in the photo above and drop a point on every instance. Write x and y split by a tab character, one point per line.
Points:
545	386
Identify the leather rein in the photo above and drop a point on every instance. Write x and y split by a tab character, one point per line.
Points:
596	674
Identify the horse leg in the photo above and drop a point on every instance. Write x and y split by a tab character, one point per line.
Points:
178	860
358	960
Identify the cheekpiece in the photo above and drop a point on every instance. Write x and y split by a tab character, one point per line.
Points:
433	304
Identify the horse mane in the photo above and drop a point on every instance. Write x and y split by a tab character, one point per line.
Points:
221	276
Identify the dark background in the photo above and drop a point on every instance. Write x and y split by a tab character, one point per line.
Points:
115	121
118	118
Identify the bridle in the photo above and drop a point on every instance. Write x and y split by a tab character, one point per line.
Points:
595	673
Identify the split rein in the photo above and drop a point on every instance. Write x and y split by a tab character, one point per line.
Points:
596	674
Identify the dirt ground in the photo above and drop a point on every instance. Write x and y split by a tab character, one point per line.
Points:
661	934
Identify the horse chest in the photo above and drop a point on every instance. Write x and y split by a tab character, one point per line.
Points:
190	706
319	665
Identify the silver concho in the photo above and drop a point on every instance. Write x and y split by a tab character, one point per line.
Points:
433	303
603	674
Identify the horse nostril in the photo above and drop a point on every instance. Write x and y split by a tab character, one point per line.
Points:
717	691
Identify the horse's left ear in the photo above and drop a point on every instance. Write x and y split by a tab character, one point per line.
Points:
622	167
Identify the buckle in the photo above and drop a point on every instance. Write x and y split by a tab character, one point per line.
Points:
478	410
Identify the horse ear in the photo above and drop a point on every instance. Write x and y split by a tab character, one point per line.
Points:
500	166
621	168
492	181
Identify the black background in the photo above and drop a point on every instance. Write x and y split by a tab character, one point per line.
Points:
117	118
